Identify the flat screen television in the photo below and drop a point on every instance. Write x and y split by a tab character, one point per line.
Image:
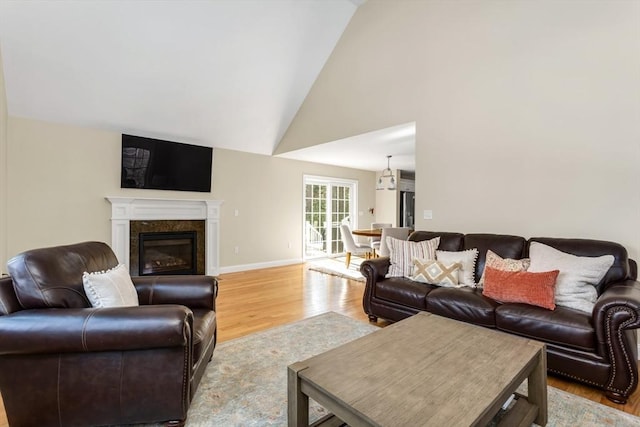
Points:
165	165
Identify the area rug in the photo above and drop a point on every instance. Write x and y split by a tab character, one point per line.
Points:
246	382
336	267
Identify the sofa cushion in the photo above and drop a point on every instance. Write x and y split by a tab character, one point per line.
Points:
521	286
52	277
465	304
562	326
448	241
403	291
502	244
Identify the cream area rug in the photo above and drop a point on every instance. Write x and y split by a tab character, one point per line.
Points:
246	382
337	267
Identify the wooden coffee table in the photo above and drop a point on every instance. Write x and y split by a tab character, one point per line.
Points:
424	370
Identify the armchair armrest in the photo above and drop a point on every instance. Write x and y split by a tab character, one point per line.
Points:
191	291
95	329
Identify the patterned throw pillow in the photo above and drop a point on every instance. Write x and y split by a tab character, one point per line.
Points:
436	273
521	286
467	261
494	260
403	252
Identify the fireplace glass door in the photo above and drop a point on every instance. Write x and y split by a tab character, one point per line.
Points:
167	253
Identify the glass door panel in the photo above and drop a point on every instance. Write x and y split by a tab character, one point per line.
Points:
315	219
327	204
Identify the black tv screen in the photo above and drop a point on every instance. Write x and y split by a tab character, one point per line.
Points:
165	165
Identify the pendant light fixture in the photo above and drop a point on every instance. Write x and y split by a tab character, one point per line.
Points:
387	175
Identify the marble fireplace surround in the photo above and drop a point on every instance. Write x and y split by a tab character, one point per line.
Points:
127	209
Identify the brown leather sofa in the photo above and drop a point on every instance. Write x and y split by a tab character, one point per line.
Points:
599	349
63	363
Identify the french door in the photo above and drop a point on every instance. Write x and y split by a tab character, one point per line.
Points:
328	202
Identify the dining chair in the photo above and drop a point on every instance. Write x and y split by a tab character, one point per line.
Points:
395	232
375	241
350	245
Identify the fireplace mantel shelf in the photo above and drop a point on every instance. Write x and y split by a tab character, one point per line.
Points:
127	209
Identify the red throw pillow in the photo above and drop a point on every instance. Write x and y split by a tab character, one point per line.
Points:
521	286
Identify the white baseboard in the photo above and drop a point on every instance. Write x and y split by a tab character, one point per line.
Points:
246	267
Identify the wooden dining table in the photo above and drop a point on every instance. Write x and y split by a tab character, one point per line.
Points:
368	232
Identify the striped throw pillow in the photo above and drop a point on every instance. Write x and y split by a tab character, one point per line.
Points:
403	252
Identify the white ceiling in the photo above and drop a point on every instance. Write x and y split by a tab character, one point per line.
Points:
223	73
368	151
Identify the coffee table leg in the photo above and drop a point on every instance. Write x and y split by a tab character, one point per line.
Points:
537	387
297	402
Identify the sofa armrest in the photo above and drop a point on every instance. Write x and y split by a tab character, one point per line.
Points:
375	269
95	329
616	315
189	290
622	296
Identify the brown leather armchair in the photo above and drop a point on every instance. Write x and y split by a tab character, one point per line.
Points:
65	363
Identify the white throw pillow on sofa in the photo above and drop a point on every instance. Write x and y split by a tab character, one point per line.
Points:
576	283
111	288
466	275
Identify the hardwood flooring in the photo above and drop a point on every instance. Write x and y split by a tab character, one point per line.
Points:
255	300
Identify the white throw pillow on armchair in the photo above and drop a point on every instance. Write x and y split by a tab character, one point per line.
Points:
111	288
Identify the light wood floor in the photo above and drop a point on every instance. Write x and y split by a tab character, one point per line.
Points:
260	299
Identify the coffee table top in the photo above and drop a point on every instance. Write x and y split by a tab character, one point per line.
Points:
424	370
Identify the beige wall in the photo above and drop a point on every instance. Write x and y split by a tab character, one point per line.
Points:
527	112
268	194
58	176
3	169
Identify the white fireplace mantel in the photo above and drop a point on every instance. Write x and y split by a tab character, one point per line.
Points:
127	209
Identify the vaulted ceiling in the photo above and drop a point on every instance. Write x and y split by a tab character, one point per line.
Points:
223	73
